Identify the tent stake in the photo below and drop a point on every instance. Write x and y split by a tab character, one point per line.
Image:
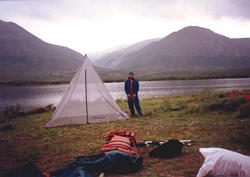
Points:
86	97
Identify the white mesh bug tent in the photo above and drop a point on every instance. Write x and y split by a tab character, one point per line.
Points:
87	100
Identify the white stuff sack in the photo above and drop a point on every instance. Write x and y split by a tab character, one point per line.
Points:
222	162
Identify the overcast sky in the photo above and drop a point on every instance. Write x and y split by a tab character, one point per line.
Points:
93	25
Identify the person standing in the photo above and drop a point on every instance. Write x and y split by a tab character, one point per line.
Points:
132	89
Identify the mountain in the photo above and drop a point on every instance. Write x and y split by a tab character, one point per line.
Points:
99	54
113	58
189	48
23	56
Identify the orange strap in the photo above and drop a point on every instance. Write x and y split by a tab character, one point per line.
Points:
120	143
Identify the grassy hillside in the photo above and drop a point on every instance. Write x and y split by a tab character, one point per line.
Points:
119	76
208	118
149	75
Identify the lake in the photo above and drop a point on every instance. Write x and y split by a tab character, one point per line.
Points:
39	95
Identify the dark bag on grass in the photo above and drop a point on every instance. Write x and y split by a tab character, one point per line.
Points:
171	148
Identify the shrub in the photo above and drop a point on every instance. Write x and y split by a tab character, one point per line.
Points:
207	91
224	104
204	107
193	108
165	106
243	111
235	91
222	94
245	91
177	106
41	109
12	111
6	126
36	110
174	107
205	95
232	104
49	107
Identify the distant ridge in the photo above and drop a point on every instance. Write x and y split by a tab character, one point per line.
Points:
189	48
112	59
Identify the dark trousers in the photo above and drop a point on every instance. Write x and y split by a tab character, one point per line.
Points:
112	161
134	102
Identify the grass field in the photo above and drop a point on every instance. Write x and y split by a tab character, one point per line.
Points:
207	118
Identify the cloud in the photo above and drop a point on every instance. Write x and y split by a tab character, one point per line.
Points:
225	8
89	25
99	9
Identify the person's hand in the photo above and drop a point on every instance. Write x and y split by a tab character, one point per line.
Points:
134	95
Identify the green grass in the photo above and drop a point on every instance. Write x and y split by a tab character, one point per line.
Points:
179	117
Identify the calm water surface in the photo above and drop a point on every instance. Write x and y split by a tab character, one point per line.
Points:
31	96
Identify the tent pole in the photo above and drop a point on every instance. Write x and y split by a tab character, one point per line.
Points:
86	97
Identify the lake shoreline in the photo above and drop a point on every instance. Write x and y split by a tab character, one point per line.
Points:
40	95
33	83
